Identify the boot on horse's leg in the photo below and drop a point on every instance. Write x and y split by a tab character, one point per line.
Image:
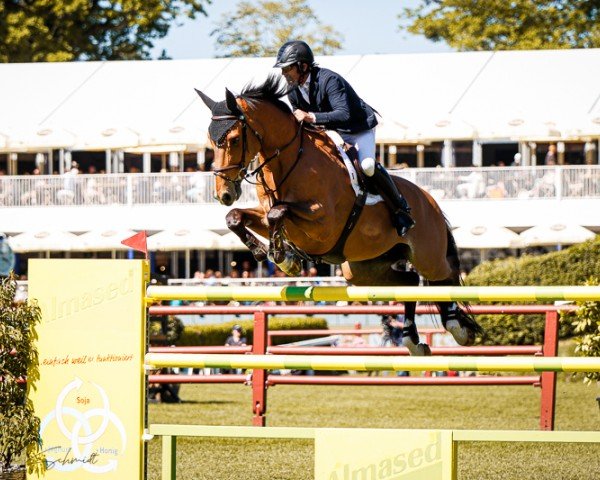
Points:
389	192
460	324
279	253
410	336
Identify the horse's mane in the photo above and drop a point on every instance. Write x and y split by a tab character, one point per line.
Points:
270	90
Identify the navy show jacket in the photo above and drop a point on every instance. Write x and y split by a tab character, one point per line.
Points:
334	102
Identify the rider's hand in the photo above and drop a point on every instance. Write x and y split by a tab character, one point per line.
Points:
304	116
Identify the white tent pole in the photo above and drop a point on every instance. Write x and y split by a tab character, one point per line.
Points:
108	161
202	264
61	161
174	265
187	264
147	162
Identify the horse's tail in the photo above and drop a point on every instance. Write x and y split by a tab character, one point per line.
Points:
466	317
452	255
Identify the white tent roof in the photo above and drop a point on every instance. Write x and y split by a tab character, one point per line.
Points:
557	234
486	237
184	239
104	240
45	241
488	95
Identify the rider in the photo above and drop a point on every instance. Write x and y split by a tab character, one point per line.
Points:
323	97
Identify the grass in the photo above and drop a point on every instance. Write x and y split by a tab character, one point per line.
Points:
469	407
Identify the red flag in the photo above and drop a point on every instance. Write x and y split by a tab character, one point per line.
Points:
137	242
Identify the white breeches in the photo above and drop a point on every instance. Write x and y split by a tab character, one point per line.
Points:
365	145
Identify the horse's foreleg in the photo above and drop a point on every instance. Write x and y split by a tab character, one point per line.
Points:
275	218
238	219
410	336
285	259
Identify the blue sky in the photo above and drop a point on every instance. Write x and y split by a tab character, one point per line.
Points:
368	27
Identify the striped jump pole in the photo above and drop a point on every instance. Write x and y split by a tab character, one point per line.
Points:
364	294
315	362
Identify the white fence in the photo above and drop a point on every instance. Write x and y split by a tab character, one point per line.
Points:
492	183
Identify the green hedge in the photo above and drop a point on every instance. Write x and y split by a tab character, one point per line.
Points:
571	266
216	334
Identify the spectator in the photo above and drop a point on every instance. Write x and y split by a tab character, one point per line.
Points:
163	392
235	340
392	335
195	193
67	195
550	158
473	185
355	340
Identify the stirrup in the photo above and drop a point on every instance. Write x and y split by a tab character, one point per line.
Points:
403	222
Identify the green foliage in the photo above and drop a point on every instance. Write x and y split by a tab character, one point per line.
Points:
19	426
501	25
167	329
587	329
216	334
64	30
572	266
258	29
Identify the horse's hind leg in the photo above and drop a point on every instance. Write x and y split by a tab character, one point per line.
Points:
380	272
457	320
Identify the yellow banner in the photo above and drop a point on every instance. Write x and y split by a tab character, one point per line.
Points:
380	454
90	396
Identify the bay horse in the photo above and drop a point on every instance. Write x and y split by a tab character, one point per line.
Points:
306	205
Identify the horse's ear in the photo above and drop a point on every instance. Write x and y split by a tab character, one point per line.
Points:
231	102
206	99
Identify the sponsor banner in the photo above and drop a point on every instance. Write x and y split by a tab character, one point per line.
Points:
90	395
380	454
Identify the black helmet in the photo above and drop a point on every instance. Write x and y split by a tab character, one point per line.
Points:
294	52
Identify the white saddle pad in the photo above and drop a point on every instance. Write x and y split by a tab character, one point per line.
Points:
339	142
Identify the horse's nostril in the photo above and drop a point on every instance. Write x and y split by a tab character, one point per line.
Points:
226	199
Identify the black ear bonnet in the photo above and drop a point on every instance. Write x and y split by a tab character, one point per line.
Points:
218	129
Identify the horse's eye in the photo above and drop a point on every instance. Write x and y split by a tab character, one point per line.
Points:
234	141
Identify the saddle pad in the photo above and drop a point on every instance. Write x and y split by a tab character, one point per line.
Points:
339	143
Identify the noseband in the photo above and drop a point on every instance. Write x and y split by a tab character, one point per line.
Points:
243	173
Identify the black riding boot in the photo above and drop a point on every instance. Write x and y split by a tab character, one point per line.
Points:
394	200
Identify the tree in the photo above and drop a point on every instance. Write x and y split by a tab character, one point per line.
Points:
506	25
258	29
64	30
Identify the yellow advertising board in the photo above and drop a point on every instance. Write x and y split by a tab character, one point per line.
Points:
90	395
379	454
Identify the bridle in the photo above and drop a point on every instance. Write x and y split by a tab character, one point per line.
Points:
243	167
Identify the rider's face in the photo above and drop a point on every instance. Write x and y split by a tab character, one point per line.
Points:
291	75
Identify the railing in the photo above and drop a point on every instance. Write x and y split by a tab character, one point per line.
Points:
198	188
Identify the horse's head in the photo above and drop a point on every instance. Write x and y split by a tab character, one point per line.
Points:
234	144
255	122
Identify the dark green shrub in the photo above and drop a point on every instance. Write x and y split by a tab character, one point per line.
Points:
216	334
19	427
587	329
571	266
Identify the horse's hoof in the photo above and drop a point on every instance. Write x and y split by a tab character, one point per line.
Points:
462	335
416	349
291	266
260	254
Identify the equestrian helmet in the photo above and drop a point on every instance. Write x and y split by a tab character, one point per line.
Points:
292	52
